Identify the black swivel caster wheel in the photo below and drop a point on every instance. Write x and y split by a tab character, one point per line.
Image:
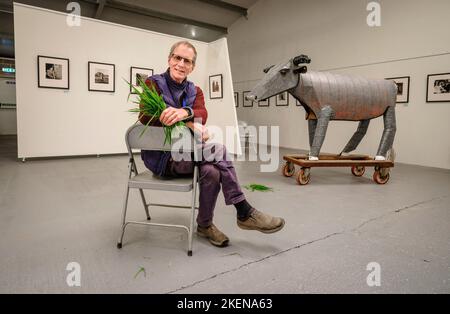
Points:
189	253
119	245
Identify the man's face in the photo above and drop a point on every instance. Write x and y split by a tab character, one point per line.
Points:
181	63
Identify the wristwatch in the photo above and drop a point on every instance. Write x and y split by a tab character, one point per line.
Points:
190	113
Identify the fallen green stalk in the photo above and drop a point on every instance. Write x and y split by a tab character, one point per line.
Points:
141	269
258	187
151	104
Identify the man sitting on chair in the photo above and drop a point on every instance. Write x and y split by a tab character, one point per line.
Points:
185	102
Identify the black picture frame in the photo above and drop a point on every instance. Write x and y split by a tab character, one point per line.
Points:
245	103
440	93
133	77
61	76
236	99
94	83
264	103
403	83
216	86
280	103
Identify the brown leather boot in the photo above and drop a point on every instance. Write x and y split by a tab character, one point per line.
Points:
214	235
262	222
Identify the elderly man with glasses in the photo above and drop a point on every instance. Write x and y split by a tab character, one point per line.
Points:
185	102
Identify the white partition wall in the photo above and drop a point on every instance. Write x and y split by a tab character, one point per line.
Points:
53	122
221	111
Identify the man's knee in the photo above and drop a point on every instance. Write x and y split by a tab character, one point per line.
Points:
215	152
209	173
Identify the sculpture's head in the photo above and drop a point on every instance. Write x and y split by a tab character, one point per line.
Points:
279	78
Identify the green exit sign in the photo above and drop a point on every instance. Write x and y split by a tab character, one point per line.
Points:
9	70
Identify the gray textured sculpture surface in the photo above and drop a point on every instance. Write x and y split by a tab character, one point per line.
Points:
328	96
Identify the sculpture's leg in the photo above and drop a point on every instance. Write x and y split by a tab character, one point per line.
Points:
312	124
357	137
387	138
324	117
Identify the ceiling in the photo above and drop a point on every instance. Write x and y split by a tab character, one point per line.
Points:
204	20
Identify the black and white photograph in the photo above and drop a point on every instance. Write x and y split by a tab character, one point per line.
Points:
264	103
215	86
236	99
282	99
402	88
53	72
245	102
101	77
438	87
139	74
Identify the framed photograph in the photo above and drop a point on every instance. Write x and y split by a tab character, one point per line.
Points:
101	77
246	103
402	88
438	87
53	72
215	86
282	99
264	103
139	74
236	99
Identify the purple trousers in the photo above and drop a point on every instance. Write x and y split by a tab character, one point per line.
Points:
215	172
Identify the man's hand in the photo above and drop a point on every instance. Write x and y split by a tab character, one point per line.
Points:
199	129
172	115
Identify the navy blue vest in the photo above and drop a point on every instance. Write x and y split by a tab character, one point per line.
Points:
157	161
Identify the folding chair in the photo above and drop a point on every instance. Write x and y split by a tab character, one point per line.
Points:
153	139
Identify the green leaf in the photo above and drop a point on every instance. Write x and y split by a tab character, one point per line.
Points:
258	187
141	270
151	104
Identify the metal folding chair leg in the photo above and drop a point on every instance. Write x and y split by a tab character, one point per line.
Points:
124	214
194	197
145	203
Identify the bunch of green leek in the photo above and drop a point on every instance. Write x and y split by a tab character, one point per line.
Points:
151	104
258	187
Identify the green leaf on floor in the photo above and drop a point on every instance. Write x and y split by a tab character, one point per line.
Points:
141	270
258	187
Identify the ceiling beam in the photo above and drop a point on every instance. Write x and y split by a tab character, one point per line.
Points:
227	6
6	8
159	15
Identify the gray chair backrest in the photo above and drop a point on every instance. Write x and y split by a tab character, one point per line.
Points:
153	139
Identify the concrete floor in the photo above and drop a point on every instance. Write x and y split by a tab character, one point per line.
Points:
56	211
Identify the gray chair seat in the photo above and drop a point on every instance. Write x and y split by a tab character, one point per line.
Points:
147	180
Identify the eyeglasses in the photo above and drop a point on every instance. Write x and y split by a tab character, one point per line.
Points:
178	59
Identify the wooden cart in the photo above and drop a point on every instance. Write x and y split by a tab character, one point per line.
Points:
358	164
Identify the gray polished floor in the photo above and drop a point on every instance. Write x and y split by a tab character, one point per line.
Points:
57	211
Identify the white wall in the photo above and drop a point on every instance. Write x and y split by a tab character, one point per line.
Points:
78	122
8	124
222	112
412	41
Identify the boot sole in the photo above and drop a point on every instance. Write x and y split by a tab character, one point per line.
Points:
263	230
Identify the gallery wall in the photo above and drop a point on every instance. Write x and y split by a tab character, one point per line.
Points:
53	122
411	41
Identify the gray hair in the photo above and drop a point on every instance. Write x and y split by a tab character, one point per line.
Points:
186	43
